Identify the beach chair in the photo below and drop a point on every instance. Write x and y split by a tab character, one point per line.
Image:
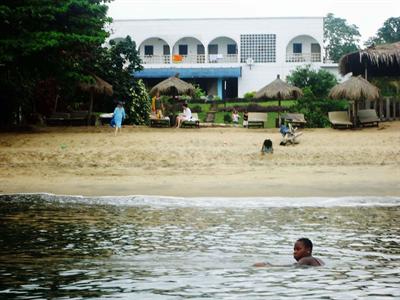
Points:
257	119
59	118
296	119
159	122
339	119
368	117
193	122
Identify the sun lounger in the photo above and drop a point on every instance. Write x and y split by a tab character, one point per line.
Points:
339	119
257	119
65	118
159	122
368	117
193	122
296	119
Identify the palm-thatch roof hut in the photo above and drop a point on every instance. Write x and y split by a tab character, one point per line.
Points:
355	89
173	86
99	86
279	90
376	61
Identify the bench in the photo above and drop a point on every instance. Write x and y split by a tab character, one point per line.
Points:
65	118
257	119
339	119
368	117
163	122
193	122
296	119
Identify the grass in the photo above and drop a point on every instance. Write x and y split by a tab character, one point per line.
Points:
219	116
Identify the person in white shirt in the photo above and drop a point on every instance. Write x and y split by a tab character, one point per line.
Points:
186	115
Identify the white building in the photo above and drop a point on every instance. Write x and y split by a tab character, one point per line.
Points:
226	57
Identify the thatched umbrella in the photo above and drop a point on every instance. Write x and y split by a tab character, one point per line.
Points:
280	90
173	86
99	86
375	61
355	89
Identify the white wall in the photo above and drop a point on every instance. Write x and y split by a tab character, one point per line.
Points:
206	30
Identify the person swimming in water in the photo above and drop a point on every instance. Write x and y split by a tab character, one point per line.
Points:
302	253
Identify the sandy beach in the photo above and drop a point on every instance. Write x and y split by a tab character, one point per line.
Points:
219	162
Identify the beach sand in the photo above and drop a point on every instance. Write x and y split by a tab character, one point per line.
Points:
212	162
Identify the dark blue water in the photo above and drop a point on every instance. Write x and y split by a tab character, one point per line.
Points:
55	247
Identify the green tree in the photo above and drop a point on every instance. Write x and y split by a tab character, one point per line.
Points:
339	37
319	82
388	33
53	41
314	104
117	64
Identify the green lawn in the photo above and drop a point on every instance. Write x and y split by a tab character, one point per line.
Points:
219	117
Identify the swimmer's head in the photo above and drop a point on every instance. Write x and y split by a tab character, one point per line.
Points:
302	248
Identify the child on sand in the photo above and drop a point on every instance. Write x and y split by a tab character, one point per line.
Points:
235	118
245	118
119	116
302	253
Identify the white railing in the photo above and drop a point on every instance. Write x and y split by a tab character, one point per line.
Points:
189	59
222	58
303	57
155	59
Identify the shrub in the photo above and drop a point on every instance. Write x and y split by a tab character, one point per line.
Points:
249	95
197	109
227	118
316	110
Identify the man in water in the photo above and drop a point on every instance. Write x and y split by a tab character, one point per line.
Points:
302	253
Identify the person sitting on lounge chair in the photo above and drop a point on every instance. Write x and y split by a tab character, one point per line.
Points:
289	134
185	116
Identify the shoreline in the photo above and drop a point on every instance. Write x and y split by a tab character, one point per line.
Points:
205	162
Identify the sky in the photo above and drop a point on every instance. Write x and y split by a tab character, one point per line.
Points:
367	15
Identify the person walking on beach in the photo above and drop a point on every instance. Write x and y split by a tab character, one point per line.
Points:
235	118
186	115
245	118
119	116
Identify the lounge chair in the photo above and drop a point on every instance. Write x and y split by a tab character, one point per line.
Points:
368	117
193	122
159	122
296	119
339	119
257	119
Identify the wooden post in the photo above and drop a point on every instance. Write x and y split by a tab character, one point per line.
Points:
90	106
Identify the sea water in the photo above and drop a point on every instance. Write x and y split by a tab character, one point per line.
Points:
140	247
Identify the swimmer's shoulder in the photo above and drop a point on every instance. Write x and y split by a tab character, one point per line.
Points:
310	261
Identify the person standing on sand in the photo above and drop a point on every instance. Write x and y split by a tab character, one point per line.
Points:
245	118
119	116
235	118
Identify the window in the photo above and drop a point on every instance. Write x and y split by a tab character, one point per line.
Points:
183	49
213	49
315	48
148	50
231	49
200	49
166	50
261	48
297	48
